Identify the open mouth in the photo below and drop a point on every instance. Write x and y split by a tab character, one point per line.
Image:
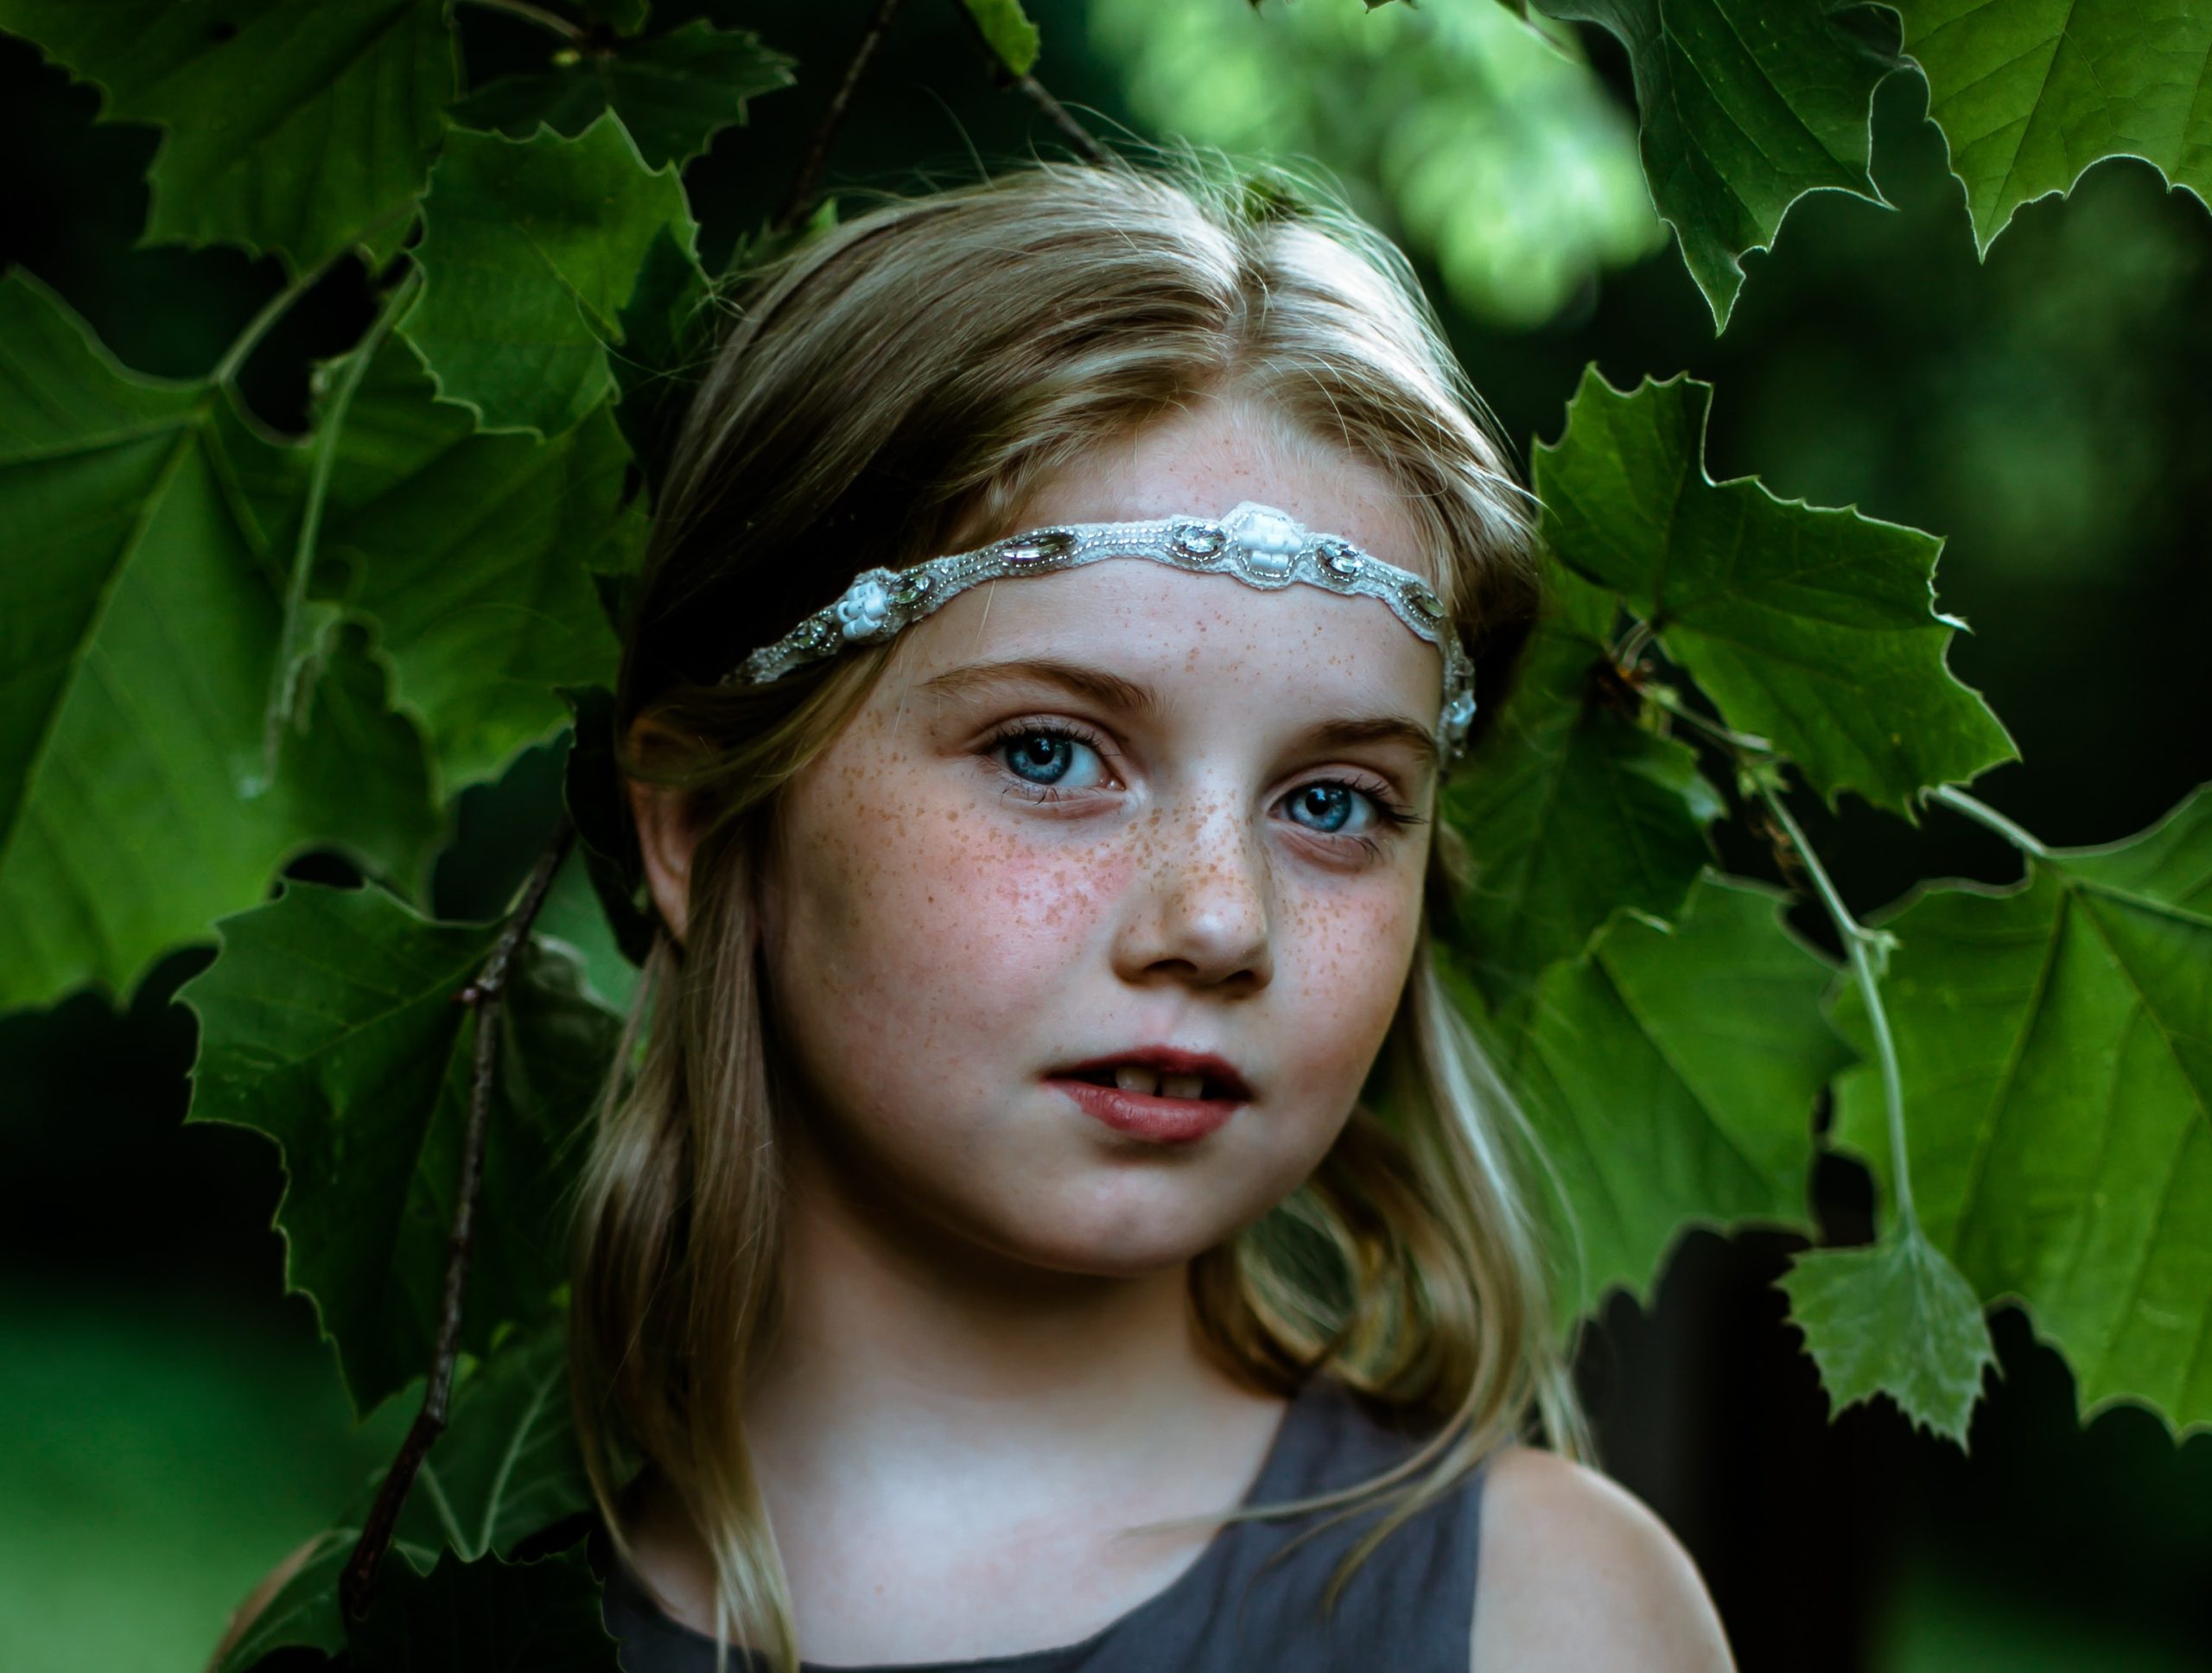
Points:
1148	1083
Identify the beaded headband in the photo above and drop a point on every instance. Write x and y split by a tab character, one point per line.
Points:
1258	544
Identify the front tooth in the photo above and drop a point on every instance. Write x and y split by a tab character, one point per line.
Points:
1133	1078
1183	1086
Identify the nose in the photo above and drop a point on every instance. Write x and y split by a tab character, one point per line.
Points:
1204	907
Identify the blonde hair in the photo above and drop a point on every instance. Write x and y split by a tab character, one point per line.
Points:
889	385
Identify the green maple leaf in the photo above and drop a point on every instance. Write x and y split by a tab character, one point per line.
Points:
1745	105
296	130
2055	1043
1815	629
139	619
474	554
2029	94
674	93
529	251
1569	809
1669	1073
506	1467
464	1617
329	1022
1894	1318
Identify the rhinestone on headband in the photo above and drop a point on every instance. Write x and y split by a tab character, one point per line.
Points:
1258	544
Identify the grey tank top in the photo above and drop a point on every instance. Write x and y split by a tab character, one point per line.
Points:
1408	1607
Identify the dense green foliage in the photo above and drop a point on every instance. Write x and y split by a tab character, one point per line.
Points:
221	648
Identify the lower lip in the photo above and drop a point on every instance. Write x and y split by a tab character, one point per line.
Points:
1159	1120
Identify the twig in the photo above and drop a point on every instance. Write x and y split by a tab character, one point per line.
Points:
283	675
1982	813
537	15
1074	132
800	198
485	995
1071	131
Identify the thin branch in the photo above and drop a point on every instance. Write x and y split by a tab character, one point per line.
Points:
1074	132
1857	940
574	33
284	675
800	198
1982	813
486	995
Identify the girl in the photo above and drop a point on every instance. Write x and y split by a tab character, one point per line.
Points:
1056	1219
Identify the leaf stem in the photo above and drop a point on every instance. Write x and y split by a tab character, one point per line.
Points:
1631	645
800	198
283	675
242	347
537	15
1981	813
486	995
1856	939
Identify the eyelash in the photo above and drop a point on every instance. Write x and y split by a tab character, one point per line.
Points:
1392	813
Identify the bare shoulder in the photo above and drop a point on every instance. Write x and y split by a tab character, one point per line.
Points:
1577	1573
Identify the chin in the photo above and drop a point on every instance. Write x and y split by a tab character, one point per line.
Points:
1115	1232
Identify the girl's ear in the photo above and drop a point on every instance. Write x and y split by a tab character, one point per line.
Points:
666	838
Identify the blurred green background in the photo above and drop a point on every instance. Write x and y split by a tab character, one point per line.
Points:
172	1424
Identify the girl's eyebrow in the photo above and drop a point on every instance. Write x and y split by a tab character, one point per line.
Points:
1128	695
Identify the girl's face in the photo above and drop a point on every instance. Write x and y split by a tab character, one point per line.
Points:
1089	813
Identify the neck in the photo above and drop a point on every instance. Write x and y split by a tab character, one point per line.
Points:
903	1348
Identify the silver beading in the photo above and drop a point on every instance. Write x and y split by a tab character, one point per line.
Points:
1260	546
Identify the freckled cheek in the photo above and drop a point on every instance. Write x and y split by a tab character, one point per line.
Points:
1347	959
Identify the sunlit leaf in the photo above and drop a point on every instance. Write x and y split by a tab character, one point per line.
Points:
1815	629
531	248
1670	1074
1013	37
330	1022
2030	93
674	93
139	613
2056	1042
1485	142
289	128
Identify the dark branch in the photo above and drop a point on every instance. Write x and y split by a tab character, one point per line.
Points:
800	198
485	995
1074	132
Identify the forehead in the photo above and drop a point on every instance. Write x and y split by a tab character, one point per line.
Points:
1206	458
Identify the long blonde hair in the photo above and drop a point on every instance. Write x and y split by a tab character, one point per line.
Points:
894	383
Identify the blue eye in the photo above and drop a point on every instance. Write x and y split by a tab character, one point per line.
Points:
1045	753
1330	800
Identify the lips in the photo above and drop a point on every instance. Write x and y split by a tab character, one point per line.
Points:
1162	1071
1156	1093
